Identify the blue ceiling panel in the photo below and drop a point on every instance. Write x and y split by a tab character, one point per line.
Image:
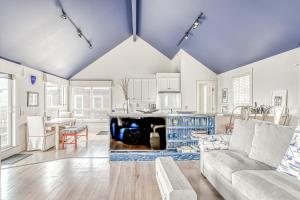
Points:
33	33
234	33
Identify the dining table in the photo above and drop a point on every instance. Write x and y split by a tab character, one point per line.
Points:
57	123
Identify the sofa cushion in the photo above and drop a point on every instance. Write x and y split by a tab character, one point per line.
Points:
266	185
270	143
290	163
227	162
242	135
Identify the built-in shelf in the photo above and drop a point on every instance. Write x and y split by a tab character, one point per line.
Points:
189	127
180	128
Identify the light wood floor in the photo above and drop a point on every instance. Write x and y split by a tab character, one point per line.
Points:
97	147
94	178
86	173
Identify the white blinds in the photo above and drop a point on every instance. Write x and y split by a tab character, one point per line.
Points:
241	90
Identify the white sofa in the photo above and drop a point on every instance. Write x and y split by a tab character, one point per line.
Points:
247	169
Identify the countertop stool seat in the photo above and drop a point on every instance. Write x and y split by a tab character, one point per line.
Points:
74	131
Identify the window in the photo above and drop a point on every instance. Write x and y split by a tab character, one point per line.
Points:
91	102
97	102
56	99
5	110
55	95
78	105
241	90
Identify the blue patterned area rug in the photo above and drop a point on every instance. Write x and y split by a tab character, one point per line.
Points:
150	155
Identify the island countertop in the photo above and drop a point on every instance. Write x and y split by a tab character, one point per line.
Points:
156	114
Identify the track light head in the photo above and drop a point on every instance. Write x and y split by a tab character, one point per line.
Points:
79	33
186	36
63	15
196	24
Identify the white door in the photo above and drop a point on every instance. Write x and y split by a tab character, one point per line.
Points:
206	97
5	112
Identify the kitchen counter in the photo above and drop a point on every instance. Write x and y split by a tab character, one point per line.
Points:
156	114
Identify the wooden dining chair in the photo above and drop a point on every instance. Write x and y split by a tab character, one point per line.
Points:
75	132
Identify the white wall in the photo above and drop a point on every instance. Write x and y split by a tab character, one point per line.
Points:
191	72
22	86
275	73
129	59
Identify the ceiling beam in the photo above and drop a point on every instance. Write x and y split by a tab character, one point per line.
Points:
134	16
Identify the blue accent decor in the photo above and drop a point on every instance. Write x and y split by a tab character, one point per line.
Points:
134	125
32	79
121	135
290	163
150	155
180	128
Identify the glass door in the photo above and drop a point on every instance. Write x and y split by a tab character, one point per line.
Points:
5	112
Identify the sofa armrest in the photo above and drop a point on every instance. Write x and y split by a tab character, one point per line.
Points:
212	142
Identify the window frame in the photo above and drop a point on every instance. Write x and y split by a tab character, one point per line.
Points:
91	98
63	93
250	89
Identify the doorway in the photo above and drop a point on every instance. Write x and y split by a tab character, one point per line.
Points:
5	110
206	97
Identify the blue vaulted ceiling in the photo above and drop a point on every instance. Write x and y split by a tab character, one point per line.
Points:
34	34
234	33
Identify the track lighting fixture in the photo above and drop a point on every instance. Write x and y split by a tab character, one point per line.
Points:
195	25
80	34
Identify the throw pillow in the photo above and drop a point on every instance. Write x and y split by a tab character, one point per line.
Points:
242	135
290	163
270	143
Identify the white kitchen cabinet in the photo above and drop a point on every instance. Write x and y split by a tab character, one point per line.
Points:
152	89
149	89
131	89
174	84
137	89
142	89
169	84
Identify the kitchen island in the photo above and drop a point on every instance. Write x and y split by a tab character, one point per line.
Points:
134	131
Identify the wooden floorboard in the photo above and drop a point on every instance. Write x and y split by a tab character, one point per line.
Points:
83	174
94	178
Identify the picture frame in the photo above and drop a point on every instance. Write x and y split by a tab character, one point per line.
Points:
32	99
279	98
224	108
225	95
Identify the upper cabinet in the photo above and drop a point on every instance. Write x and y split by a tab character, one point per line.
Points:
142	89
149	89
168	82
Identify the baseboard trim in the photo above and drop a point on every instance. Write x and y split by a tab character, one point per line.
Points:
11	151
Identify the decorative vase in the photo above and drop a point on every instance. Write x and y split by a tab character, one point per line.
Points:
126	106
